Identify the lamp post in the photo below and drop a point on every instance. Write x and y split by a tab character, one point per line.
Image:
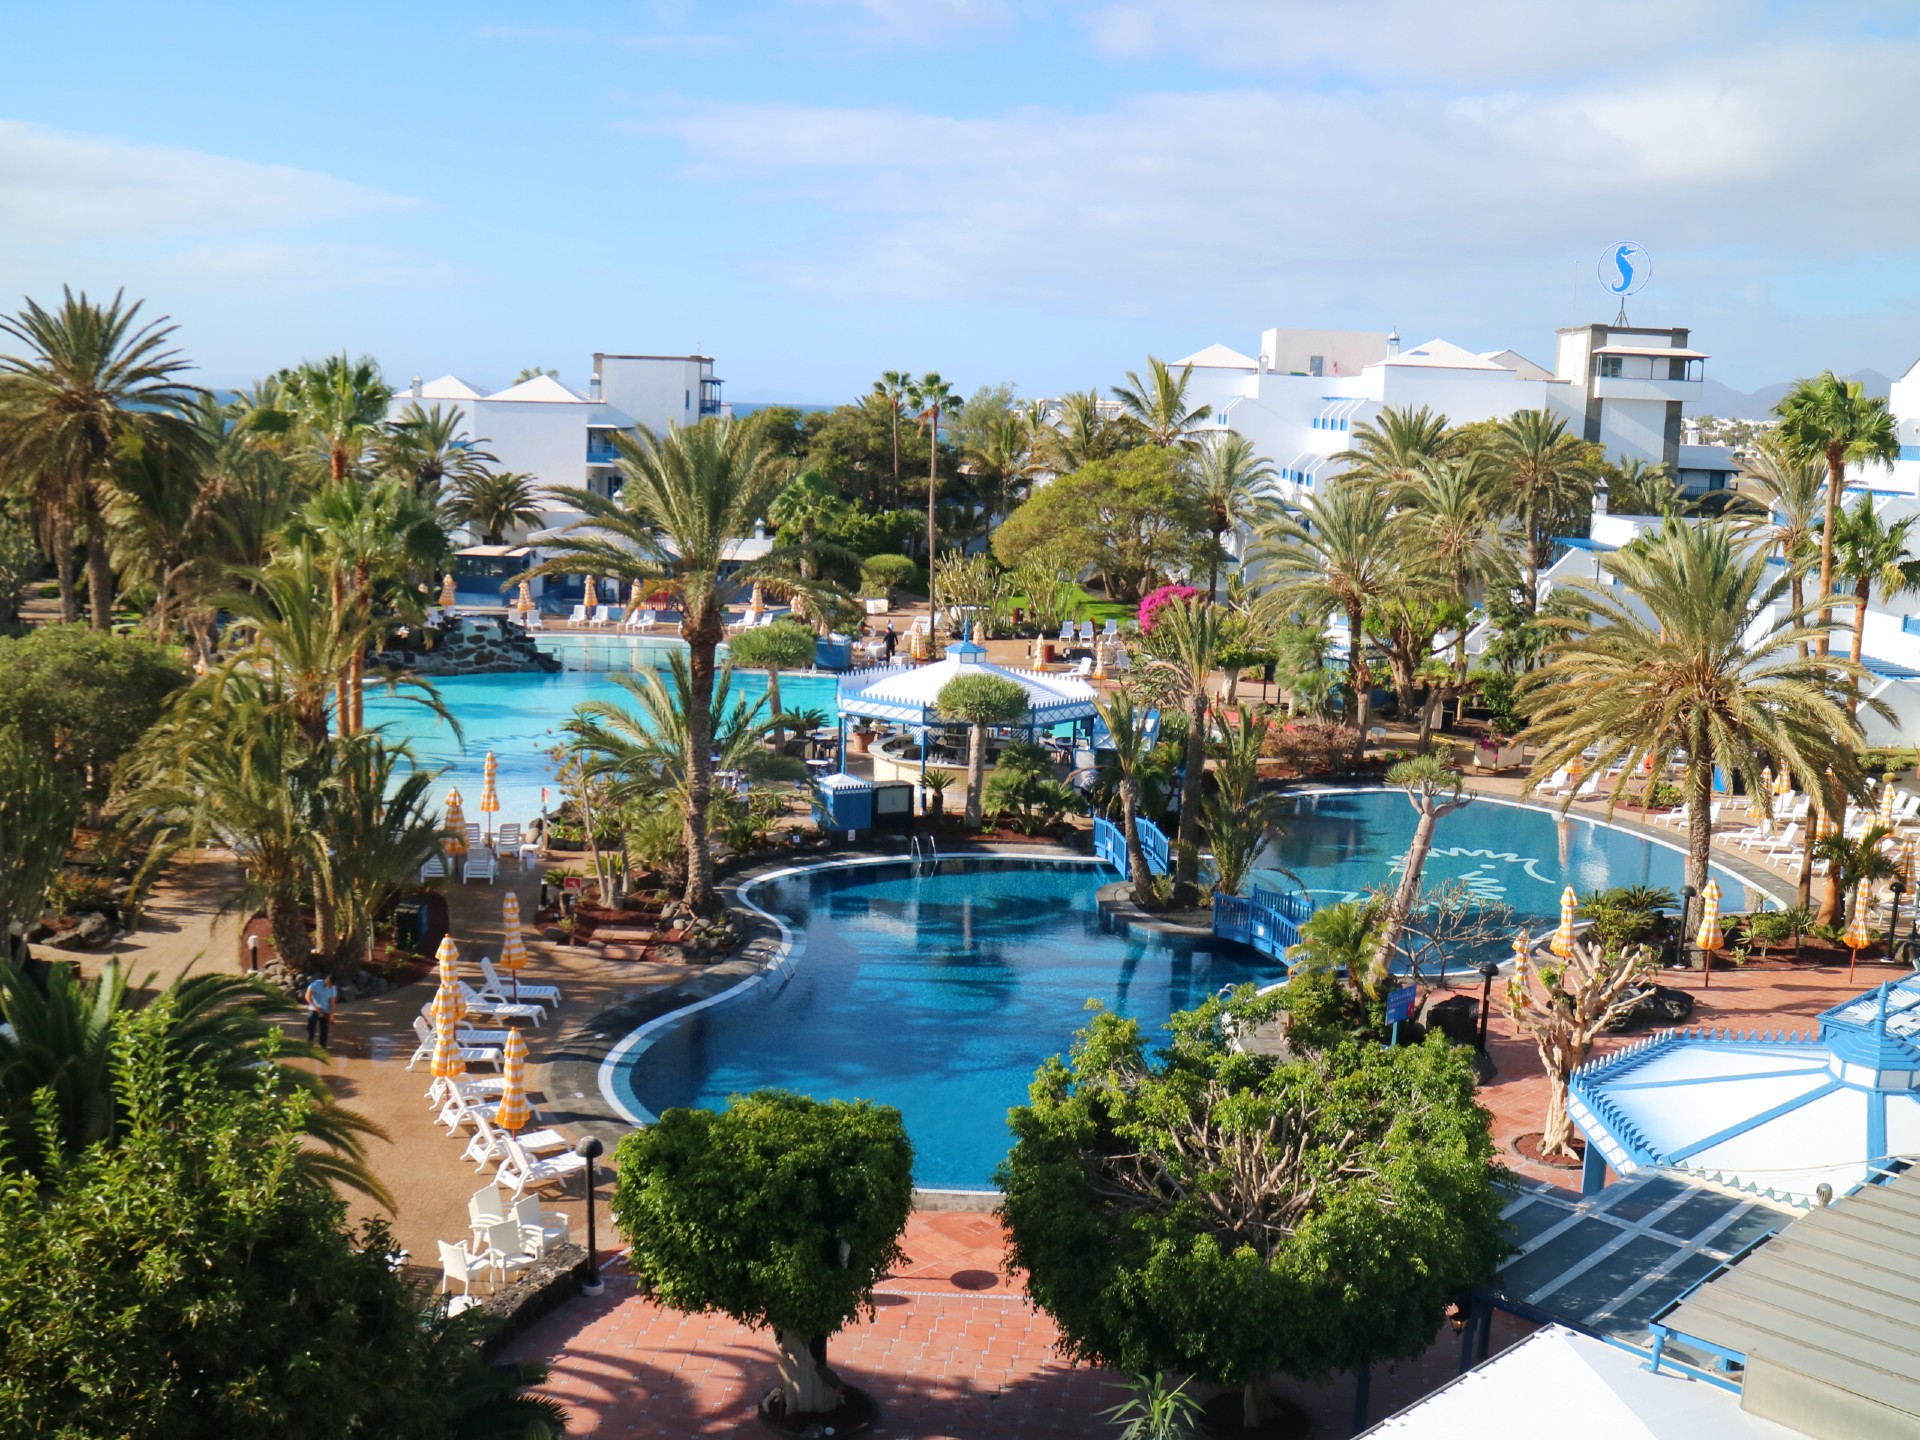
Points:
1488	969
1899	888
590	1149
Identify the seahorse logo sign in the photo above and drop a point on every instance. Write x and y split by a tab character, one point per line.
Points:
1625	268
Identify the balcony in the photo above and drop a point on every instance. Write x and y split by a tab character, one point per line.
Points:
600	449
1622	387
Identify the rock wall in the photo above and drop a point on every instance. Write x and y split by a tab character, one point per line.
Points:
478	647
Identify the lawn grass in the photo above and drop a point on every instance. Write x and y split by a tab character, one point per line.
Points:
1085	607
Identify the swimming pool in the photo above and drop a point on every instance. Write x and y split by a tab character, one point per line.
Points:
519	717
937	993
1341	842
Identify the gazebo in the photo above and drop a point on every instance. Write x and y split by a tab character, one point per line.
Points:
906	697
1779	1115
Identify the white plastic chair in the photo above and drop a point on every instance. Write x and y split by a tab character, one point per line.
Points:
540	1230
533	620
457	1264
465	1033
1084	669
1066	632
506	841
498	987
602	615
485	1209
434	869
489	1142
507	1248
1086	632
579	615
1112	629
481	865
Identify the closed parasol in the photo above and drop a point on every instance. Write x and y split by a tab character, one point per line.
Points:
1562	944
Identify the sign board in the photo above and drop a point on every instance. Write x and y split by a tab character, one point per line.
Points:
574	883
1624	269
1400	1004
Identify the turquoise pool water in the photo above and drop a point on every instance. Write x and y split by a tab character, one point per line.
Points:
519	717
936	993
1342	842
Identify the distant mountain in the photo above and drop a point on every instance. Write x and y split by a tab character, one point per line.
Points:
1730	404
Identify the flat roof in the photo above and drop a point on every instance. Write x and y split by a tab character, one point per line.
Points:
613	355
1826	1316
495	550
1670	352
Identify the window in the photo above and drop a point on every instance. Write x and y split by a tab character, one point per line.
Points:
687	402
1611	367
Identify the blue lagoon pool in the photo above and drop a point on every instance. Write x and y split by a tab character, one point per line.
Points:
518	717
939	994
1342	842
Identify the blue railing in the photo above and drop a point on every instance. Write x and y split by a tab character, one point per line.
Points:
1268	920
1110	844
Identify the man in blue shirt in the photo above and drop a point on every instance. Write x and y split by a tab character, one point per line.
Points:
320	996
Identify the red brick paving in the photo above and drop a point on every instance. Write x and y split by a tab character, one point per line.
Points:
954	1351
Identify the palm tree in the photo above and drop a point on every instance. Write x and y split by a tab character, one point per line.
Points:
160	512
1230	479
1792	486
61	1043
1393	452
429	447
655	751
493	502
1545	476
979	700
809	502
1158	405
1342	551
1435	791
301	642
1850	864
1451	517
1188	639
90	374
1836	421
1237	818
930	395
1693	654
1131	754
1639	488
337	405
891	389
1871	553
687	498
1082	434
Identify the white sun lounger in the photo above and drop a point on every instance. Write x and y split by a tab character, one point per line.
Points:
481	865
1066	632
602	615
499	987
489	1142
477	1004
524	1172
579	615
471	1052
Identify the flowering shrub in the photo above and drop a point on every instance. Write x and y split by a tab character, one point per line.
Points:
1154	601
1311	747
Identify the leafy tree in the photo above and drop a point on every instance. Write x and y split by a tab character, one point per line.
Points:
1394	451
1083	431
1563	1005
20	561
1546	478
1792	490
84	697
1691	656
891	391
783	645
493	502
854	447
1185	647
1226	1215
979	699
1851	863
994	435
1339	550
1836	421
188	1279
779	1211
1435	791
1237	819
39	807
882	574
429	447
1230	480
89	375
1158	407
1872	552
1023	786
688	496
806	507
1339	939
1132	520
335	408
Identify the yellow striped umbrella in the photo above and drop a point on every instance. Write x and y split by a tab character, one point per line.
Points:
1856	939
589	596
1755	810
1520	987
1824	827
1562	944
448	1007
1783	783
513	948
448	957
1710	938
1577	768
1907	864
489	793
1766	780
455	826
514	1113
448	596
637	596
1886	801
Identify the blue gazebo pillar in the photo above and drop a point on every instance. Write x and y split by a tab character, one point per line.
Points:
1593	1170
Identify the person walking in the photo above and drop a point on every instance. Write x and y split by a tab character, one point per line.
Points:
320	997
892	640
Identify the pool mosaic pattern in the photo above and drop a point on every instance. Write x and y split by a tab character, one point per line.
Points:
939	994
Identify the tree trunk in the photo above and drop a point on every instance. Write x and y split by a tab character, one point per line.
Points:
289	930
976	772
773	703
702	639
1836	484
1429	712
99	583
1360	681
807	1384
893	408
1139	873
1804	892
1862	592
1556	1133
1830	897
1699	809
1213	568
1187	860
1404	894
1797	597
1256	1404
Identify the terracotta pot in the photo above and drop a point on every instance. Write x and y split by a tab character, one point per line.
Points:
862	741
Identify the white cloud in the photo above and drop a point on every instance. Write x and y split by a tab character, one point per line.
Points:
275	267
58	188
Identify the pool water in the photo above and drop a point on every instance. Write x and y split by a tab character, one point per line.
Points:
939	994
519	717
1342	842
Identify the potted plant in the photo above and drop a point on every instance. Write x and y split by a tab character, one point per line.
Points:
936	782
862	737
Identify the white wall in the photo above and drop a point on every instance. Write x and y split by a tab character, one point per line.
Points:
1635	429
653	389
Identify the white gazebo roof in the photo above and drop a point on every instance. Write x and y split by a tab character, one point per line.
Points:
907	697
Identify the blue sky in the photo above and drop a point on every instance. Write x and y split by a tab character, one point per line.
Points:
817	190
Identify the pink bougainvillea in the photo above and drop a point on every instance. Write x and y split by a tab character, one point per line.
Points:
1157	600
